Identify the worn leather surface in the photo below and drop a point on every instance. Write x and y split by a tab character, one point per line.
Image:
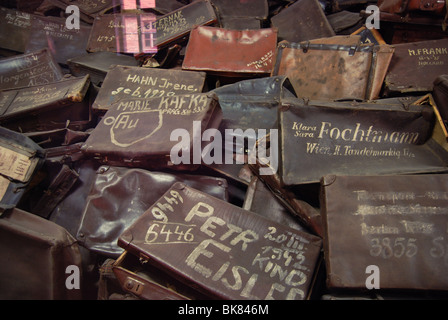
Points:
221	249
137	132
397	223
45	32
120	195
253	51
147	282
440	95
334	68
21	159
404	6
40	98
378	137
35	255
251	104
31	69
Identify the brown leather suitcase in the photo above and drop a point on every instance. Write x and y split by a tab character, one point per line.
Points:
15	103
386	136
251	105
222	250
108	31
35	256
20	159
69	211
396	223
88	9
260	200
440	95
403	7
299	203
413	27
415	66
240	15
303	20
147	282
98	64
30	69
180	22
138	132
334	68
123	82
99	229
15	26
52	33
253	51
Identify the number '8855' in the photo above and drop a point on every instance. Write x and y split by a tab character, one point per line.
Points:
405	247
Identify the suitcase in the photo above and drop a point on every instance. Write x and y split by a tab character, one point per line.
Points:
299	203
369	35
250	106
386	136
74	116
222	250
143	282
15	103
35	256
440	95
99	228
397	29
108	30
123	33
180	22
15	26
334	68
30	69
396	223
22	5
260	200
253	51
402	7
344	22
123	82
352	5
240	15
145	133
149	283
301	21
426	57
98	64
52	33
58	174
20	159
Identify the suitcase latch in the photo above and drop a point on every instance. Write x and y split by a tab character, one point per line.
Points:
134	285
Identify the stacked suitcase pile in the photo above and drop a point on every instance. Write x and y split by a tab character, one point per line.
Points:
267	149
